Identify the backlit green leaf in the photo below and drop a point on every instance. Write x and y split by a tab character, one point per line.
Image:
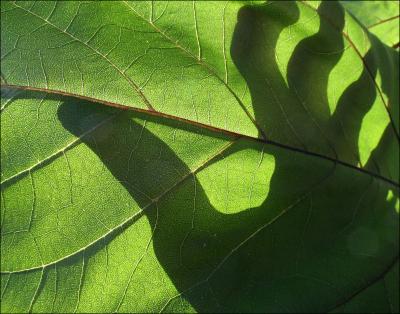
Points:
197	157
380	17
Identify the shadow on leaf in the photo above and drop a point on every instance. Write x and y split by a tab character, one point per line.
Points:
315	224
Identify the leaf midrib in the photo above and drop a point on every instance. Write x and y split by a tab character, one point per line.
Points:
132	83
201	62
231	133
211	128
304	2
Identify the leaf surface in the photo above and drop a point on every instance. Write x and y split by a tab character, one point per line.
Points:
380	17
249	167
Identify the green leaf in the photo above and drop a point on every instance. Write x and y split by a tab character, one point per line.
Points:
380	17
251	164
199	60
381	297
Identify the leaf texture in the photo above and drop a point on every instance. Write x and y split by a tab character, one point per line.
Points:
251	164
380	17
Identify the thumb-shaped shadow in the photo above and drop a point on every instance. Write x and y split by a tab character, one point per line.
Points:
190	237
